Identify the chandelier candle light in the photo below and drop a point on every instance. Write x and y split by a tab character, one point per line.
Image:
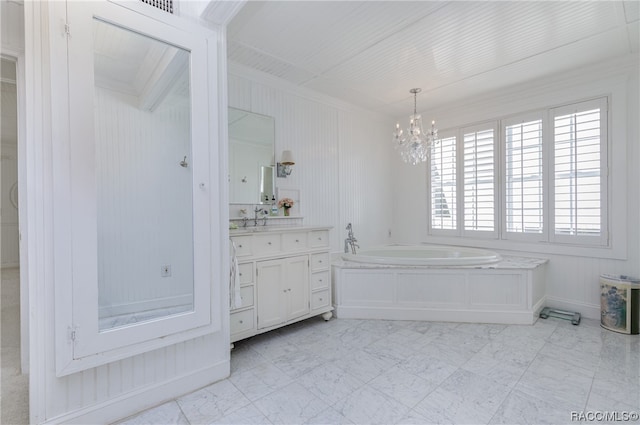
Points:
416	146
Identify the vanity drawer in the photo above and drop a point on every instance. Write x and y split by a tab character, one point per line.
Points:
241	321
266	244
319	280
245	273
318	238
320	261
246	293
243	244
320	299
294	241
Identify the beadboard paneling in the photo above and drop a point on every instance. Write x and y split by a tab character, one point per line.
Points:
341	156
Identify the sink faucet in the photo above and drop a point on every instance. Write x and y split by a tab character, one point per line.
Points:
244	221
350	241
257	211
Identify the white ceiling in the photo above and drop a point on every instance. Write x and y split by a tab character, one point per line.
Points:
370	53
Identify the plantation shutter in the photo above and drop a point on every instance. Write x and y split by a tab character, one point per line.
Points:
579	158
479	180
523	176
443	185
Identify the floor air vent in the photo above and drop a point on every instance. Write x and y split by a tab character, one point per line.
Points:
166	5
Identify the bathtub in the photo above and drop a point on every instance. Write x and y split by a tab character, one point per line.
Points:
438	283
425	255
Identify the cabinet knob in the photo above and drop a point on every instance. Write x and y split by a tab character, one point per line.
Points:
319	280
319	261
240	274
268	243
297	240
242	321
320	299
240	246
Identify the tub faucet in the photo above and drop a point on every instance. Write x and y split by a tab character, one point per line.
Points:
350	241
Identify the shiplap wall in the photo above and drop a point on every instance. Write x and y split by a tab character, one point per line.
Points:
342	156
572	280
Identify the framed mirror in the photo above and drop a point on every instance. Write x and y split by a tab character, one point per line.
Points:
251	157
135	193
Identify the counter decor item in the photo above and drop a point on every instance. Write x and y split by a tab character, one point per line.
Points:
285	203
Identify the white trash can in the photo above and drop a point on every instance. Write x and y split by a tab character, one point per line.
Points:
619	303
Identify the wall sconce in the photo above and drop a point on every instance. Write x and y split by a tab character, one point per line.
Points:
284	166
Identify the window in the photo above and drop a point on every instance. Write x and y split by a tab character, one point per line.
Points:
579	156
523	176
550	169
479	179
443	185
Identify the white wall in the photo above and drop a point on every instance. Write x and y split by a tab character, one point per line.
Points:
572	281
342	155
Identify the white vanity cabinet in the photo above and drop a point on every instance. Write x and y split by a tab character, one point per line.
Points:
284	277
283	290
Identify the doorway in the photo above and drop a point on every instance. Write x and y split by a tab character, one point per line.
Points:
14	407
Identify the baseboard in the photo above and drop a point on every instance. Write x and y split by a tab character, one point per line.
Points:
588	311
144	398
435	315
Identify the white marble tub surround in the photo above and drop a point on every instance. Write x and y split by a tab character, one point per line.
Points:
510	291
424	255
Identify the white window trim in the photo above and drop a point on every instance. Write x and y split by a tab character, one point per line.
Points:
614	190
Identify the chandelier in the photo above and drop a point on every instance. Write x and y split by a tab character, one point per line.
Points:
416	146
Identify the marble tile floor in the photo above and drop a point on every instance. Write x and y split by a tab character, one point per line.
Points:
404	372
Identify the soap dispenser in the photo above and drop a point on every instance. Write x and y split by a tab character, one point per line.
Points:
274	207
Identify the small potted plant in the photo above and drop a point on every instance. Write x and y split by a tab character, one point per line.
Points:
285	203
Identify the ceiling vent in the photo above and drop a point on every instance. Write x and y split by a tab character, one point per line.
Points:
166	5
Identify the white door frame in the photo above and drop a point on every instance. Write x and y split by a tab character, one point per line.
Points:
18	58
